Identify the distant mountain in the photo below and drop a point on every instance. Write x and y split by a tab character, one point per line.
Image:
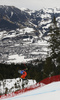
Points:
43	18
12	17
24	33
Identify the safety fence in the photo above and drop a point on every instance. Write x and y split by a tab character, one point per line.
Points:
40	84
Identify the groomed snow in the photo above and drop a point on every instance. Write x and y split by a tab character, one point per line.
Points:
47	92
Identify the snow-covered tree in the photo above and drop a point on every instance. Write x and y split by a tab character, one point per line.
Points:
55	42
52	63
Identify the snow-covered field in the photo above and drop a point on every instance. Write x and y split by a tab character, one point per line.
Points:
17	59
21	58
22	45
47	92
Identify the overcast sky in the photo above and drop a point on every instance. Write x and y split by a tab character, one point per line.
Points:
31	4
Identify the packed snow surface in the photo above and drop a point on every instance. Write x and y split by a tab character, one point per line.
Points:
47	92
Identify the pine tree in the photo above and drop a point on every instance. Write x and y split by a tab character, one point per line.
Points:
52	63
55	42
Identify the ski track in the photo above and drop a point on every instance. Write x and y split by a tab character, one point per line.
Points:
31	94
50	91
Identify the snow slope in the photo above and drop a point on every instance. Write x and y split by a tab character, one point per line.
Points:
47	92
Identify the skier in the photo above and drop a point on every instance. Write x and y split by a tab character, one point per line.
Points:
23	79
23	73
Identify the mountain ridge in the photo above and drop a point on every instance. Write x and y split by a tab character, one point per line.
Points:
19	18
12	15
25	33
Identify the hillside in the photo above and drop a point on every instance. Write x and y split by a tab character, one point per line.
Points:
24	33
